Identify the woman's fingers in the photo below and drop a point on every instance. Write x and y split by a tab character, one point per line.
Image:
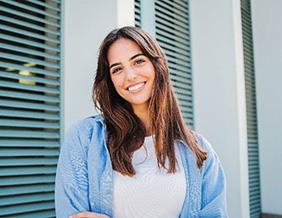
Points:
88	215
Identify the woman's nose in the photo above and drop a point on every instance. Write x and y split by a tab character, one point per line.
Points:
130	73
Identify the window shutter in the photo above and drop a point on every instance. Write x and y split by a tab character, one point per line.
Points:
172	32
30	71
137	7
253	149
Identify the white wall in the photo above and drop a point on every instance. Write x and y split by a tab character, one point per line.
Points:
86	23
219	92
267	35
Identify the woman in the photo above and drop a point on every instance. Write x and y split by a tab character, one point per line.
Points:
138	158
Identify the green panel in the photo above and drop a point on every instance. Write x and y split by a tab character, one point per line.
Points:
28	51
29	115
18	85
16	68
27	105
29	134
30	143
252	132
137	6
42	213
31	124
172	32
8	162
184	74
170	35
33	9
23	199
26	15
29	42
27	189
26	180
30	106
46	5
34	170
27	152
23	24
23	209
30	34
28	60
19	95
18	76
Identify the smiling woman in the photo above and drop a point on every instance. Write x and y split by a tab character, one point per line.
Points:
132	74
138	158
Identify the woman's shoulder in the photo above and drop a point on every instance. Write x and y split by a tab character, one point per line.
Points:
78	137
212	157
85	128
203	142
88	123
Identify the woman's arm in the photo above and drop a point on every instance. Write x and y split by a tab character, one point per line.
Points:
213	185
88	215
71	189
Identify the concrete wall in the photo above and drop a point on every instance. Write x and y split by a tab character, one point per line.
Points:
219	92
267	35
86	23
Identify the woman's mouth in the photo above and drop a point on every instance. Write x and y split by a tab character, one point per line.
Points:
136	88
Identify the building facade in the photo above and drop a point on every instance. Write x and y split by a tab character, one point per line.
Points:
225	63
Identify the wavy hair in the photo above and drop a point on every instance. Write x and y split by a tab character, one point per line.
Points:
126	132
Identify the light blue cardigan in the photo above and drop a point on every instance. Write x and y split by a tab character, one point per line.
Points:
84	180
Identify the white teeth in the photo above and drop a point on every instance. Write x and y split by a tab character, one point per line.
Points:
135	87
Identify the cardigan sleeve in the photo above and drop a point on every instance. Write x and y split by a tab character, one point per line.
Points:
213	202
71	188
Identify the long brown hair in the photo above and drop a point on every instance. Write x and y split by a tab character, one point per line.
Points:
126	132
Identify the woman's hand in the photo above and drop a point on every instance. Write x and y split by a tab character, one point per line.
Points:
88	215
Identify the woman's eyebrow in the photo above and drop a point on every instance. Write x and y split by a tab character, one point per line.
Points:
115	64
118	63
135	56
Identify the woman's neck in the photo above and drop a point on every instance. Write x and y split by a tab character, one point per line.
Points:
143	115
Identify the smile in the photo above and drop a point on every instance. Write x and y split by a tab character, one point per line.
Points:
136	88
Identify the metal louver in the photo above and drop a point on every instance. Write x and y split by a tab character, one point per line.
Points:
30	70
252	132
172	32
137	10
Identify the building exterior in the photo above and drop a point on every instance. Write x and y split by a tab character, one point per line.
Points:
225	59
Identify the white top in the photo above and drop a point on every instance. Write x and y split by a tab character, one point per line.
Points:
152	192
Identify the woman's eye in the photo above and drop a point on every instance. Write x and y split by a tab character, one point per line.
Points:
116	70
139	61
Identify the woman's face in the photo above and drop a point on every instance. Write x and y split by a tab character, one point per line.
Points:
132	73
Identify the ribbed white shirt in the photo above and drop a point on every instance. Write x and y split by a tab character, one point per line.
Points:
152	192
